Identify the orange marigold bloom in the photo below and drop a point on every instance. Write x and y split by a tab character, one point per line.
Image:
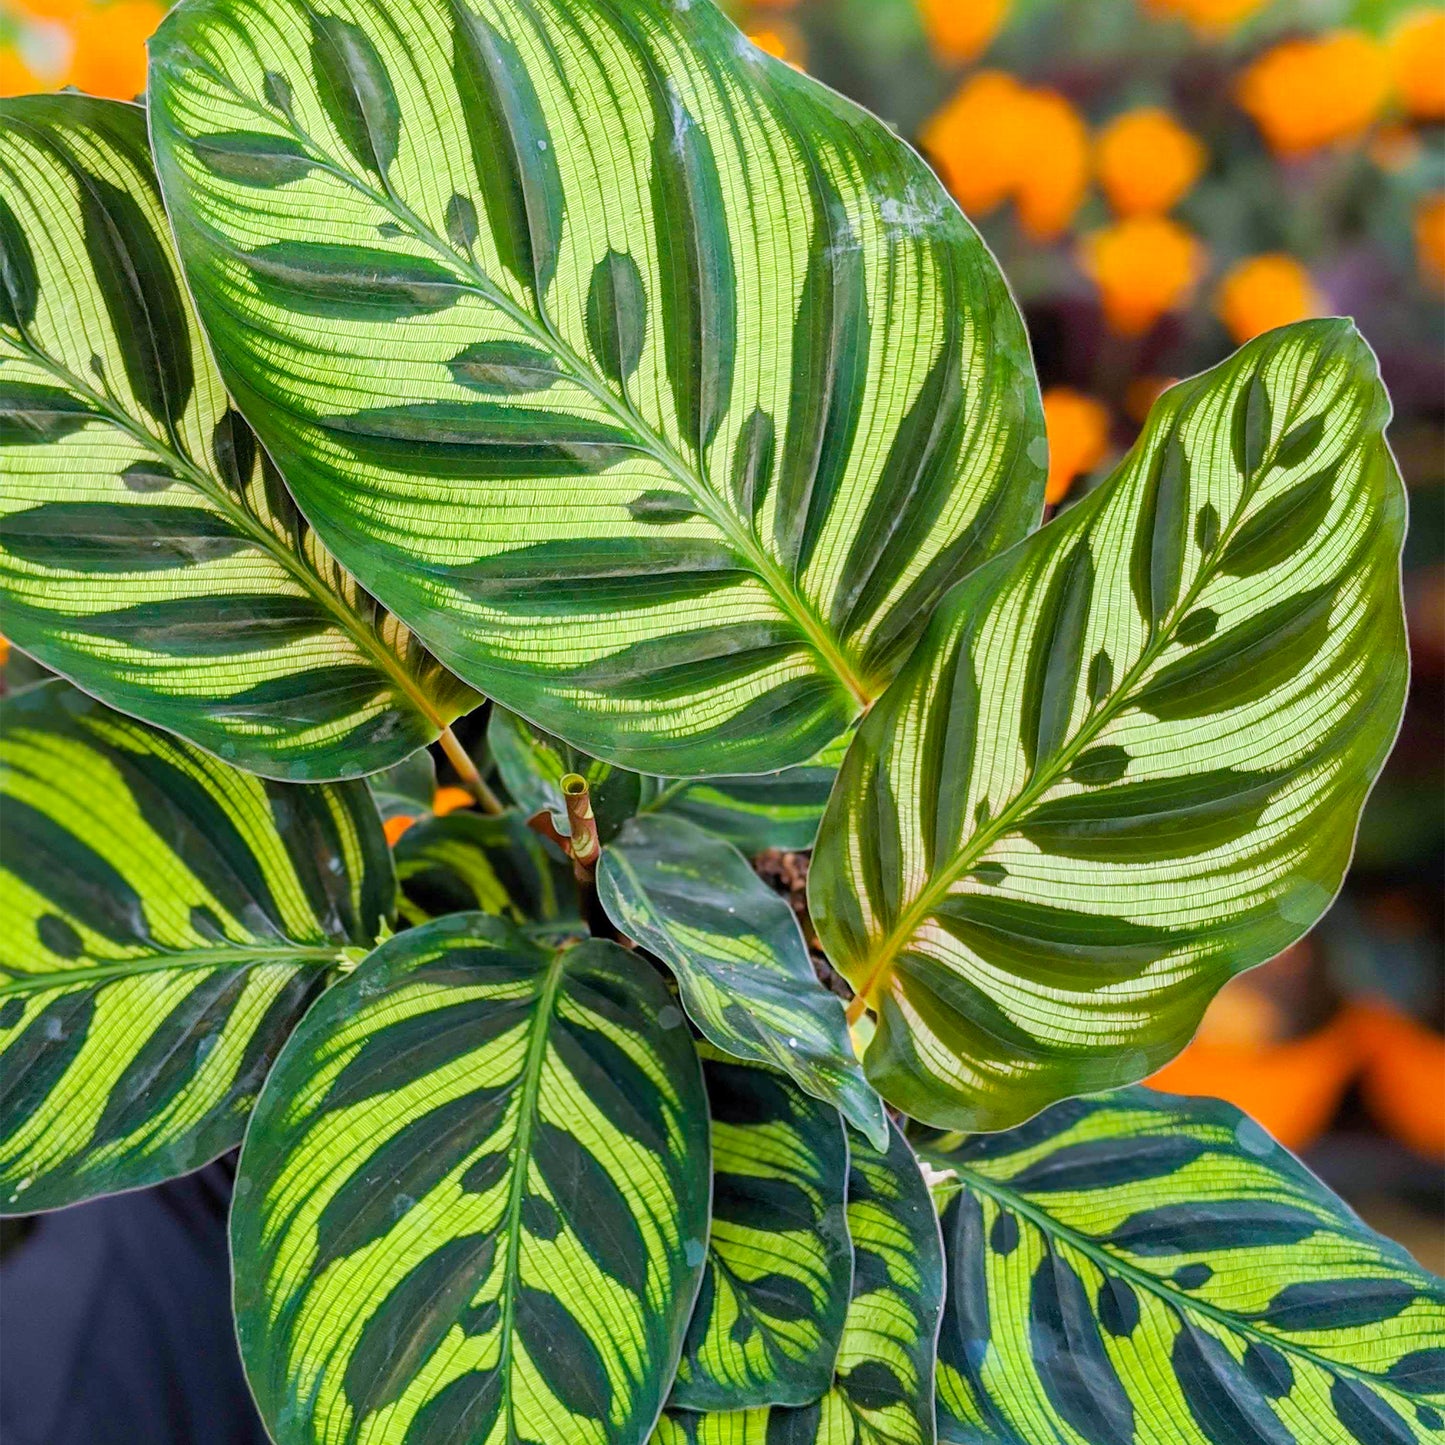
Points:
395	826
16	77
962	30
1262	292
1208	17
998	140
1430	239
1144	267
449	799
1147	161
1304	94
1417	60
1078	433
782	40
110	48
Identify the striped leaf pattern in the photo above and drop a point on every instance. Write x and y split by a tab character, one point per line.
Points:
769	1316
1141	1269
1128	758
164	922
734	945
148	549
465	862
882	1390
666	391
473	1199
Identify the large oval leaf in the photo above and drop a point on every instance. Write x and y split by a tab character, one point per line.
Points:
164	922
1128	758
742	968
665	390
473	1200
769	1316
1148	1268
148	550
882	1389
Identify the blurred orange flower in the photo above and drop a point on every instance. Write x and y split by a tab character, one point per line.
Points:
1304	94
16	77
1208	17
1078	433
998	140
110	48
1404	1065
1430	239
1262	292
66	10
1147	161
449	799
962	30
1144	267
782	40
1417	60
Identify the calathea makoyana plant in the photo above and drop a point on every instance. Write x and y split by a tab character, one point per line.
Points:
572	359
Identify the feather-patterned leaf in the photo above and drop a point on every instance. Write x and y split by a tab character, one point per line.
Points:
465	862
742	967
769	1316
473	1200
1140	1267
1123	764
882	1386
148	549
670	443
164	922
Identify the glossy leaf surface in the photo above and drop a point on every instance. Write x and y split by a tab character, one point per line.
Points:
735	948
164	922
466	861
769	1316
148	549
1128	759
670	390
882	1387
407	789
474	1198
1142	1267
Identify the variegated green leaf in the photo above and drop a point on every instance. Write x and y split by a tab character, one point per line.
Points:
882	1390
1143	1268
148	549
472	1203
769	1316
164	922
407	789
533	763
1128	758
666	391
741	965
469	861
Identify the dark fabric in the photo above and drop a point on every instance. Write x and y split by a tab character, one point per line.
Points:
115	1323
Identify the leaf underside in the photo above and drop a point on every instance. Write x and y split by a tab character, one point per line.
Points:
668	390
148	549
1128	758
1141	1267
164	922
474	1198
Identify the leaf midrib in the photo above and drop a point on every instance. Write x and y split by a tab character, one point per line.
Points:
231	955
1109	1262
1051	773
222	498
864	691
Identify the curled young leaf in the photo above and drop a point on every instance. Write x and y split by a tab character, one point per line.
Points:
1128	758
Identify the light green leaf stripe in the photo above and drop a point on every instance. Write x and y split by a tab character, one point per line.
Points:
473	1200
466	861
769	1316
148	550
1145	1268
667	390
164	922
1128	758
741	965
882	1391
